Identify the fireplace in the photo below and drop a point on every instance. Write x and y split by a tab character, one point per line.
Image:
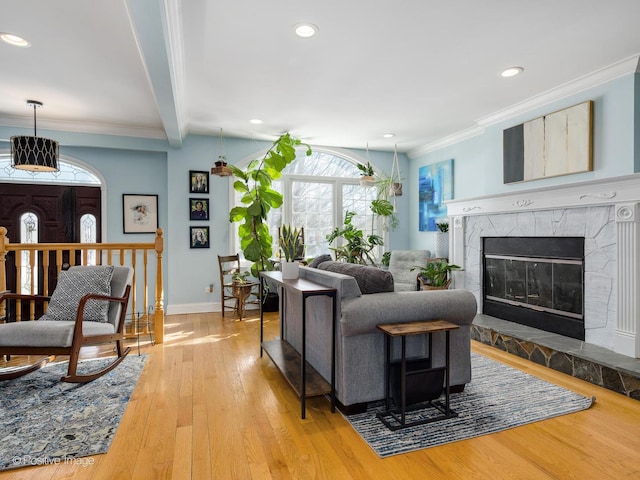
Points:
605	212
535	281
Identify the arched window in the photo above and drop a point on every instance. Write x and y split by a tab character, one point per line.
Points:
68	173
318	190
29	226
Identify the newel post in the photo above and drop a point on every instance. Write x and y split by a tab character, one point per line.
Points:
158	315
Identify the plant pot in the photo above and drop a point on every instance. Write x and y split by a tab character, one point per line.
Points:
367	181
220	164
271	302
442	244
241	290
395	190
290	270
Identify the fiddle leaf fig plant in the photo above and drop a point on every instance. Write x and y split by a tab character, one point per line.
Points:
258	198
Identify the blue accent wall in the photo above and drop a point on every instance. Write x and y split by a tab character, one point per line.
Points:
478	160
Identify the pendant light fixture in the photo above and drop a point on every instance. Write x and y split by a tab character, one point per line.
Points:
33	153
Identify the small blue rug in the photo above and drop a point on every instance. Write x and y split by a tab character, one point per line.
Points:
497	398
45	421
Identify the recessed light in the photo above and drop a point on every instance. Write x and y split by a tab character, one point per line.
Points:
256	121
14	40
511	72
389	135
305	30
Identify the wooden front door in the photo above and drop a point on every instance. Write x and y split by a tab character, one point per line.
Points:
58	209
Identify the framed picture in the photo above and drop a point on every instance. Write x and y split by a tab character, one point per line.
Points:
198	181
198	209
139	213
199	237
435	185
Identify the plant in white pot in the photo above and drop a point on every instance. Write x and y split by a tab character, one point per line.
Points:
292	248
442	239
367	175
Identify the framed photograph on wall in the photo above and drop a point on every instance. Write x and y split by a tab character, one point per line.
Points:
199	237
139	213
198	181
198	209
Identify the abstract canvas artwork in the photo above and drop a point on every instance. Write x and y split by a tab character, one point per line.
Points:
434	187
557	144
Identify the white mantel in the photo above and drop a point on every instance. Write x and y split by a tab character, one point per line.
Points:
606	212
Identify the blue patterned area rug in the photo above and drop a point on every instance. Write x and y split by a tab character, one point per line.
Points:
497	398
45	421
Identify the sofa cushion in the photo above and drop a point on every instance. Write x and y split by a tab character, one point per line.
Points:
325	257
370	279
72	286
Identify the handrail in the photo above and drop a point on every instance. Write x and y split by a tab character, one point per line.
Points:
104	255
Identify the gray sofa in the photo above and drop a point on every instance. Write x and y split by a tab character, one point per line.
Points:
359	344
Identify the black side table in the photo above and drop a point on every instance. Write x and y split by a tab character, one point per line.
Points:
395	419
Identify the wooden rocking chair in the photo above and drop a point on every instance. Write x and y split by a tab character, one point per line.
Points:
87	307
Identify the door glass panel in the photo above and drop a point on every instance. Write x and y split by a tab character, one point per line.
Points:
28	234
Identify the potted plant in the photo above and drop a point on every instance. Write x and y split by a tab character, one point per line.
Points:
258	198
435	275
292	248
355	247
241	285
367	178
442	239
222	161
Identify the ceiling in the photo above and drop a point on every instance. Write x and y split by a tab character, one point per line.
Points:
421	69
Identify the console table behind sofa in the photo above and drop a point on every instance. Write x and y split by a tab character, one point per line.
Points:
360	345
145	258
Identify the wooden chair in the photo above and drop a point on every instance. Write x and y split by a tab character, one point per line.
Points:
228	265
92	316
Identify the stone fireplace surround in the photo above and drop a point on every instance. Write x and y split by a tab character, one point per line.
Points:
605	212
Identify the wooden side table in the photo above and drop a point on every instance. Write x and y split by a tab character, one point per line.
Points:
395	419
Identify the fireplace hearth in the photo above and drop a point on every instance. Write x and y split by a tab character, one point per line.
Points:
535	281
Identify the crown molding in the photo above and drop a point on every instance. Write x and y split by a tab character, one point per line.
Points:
619	69
84	127
445	142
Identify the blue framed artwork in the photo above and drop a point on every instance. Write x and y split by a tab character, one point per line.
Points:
435	185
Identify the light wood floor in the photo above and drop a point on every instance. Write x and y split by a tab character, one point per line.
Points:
208	407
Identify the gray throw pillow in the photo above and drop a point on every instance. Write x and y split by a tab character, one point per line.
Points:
325	257
370	279
72	286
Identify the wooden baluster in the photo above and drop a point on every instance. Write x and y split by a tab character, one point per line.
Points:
145	297
134	296
4	242
32	282
158	314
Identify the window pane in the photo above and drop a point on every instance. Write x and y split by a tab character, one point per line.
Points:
68	173
28	234
88	234
312	208
322	164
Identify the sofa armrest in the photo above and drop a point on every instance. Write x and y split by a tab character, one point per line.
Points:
361	315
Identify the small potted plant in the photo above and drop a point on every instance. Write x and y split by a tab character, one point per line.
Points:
367	175
292	249
435	275
241	285
442	239
222	161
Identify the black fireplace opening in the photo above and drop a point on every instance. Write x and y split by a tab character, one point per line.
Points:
535	281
